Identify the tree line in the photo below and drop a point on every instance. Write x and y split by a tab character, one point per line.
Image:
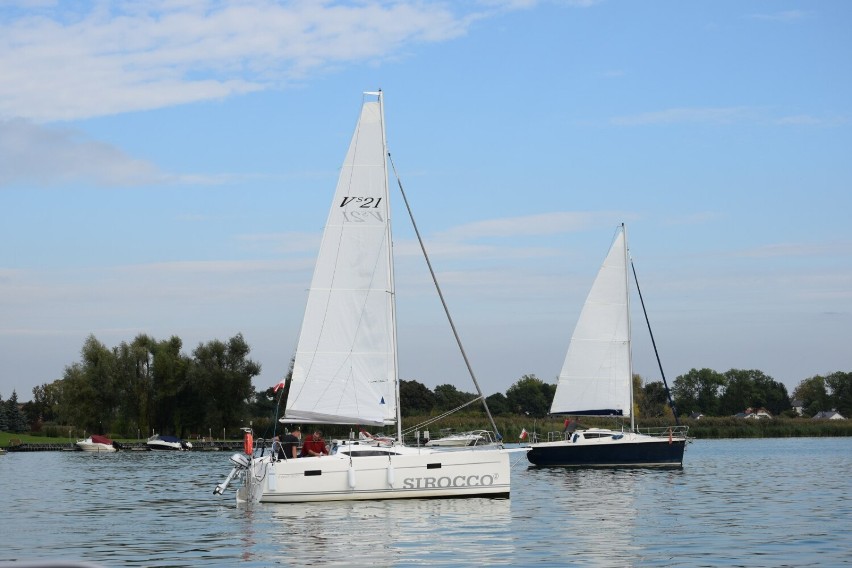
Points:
724	394
150	385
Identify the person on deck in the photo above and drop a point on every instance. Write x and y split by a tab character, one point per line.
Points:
290	444
314	445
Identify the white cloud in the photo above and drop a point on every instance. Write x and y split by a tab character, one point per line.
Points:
36	154
722	115
798	249
559	222
32	153
71	63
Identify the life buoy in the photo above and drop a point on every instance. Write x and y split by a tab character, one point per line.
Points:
248	444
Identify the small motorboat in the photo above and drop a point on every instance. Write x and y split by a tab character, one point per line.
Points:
462	439
159	442
95	443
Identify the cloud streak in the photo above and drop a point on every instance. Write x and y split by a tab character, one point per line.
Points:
31	153
721	115
71	63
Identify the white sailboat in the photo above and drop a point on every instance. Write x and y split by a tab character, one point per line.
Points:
597	380
345	368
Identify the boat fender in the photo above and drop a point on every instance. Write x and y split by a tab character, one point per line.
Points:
351	477
390	474
271	481
248	443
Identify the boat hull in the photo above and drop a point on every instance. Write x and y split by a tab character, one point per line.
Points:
88	446
165	446
168	443
93	447
438	474
628	453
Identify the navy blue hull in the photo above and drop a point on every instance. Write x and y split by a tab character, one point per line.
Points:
654	454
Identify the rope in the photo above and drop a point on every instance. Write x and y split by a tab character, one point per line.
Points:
444	415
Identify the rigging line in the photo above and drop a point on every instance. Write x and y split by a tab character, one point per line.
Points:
443	302
654	343
447	413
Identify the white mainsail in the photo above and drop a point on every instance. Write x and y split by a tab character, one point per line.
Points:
344	370
596	378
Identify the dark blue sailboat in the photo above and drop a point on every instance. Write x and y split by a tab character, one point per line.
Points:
597	380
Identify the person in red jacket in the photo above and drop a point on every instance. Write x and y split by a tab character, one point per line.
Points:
314	446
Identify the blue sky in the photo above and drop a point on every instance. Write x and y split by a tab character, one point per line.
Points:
166	168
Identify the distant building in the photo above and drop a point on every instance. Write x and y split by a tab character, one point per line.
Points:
798	406
754	414
828	415
696	416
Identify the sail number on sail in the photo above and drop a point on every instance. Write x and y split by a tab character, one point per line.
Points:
366	202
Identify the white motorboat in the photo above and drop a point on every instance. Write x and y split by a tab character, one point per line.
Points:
345	367
173	443
597	380
462	439
96	443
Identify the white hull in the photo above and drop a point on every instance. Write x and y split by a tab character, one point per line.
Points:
89	446
155	443
478	438
414	474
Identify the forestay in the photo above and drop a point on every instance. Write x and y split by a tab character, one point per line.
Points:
596	377
345	365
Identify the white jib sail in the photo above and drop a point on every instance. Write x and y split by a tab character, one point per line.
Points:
596	376
345	367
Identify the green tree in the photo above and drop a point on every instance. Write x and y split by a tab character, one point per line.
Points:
653	401
840	384
135	380
220	379
415	398
448	397
813	394
699	391
530	395
753	389
45	401
87	398
498	404
16	421
172	395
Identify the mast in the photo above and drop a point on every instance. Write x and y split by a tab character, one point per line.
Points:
629	329
392	291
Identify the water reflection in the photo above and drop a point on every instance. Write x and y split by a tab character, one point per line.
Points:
735	502
588	516
396	533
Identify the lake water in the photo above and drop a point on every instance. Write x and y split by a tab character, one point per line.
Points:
769	502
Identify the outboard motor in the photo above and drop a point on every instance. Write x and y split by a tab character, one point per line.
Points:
241	463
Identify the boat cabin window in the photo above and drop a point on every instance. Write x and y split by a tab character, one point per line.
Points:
367	453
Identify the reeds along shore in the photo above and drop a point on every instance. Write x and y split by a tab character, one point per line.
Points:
707	427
